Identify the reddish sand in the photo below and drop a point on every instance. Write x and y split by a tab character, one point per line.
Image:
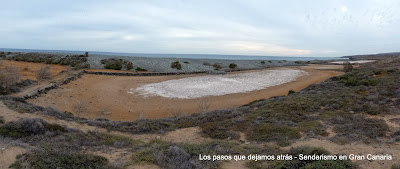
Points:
106	96
28	69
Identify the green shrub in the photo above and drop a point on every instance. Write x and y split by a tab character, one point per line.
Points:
218	131
28	127
217	66
291	92
378	72
143	156
63	160
176	65
269	61
352	82
50	58
129	65
313	126
373	82
116	64
267	132
206	64
140	69
232	65
262	62
2	120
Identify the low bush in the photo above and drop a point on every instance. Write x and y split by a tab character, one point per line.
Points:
2	120
206	64
291	92
218	131
129	65
9	79
117	64
347	67
54	159
232	65
176	65
262	62
28	127
43	73
140	69
267	132
217	66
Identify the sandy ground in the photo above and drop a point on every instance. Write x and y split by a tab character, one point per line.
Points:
8	154
28	69
106	96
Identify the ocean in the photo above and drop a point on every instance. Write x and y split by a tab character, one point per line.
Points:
190	56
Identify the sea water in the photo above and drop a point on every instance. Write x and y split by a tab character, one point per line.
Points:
190	56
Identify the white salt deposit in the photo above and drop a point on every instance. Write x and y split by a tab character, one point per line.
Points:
357	61
216	85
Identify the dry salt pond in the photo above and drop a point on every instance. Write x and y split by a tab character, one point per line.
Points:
354	62
129	98
217	85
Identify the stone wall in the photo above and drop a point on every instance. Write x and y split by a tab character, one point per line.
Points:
44	89
141	74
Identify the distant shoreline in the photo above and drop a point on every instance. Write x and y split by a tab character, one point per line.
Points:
178	56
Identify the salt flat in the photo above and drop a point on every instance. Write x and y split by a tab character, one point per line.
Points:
217	85
356	61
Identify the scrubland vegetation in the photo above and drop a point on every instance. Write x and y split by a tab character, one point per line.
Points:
77	61
117	64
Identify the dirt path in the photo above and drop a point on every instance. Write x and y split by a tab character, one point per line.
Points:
108	94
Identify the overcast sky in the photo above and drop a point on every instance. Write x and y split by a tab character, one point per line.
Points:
245	27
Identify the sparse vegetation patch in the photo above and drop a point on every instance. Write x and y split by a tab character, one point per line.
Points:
117	64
